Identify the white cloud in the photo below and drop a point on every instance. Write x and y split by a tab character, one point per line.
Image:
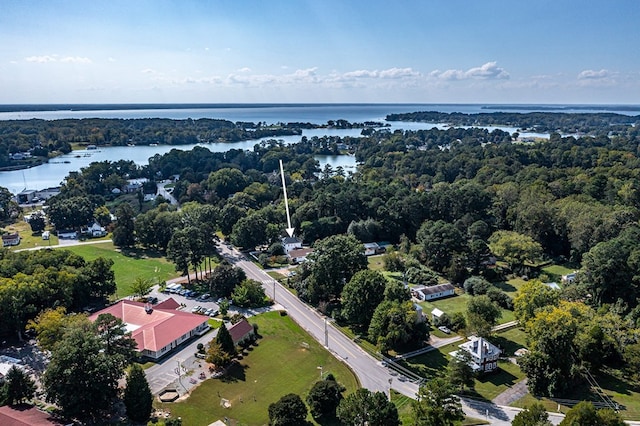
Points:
149	71
41	59
488	71
391	73
56	58
594	75
111	59
76	60
245	69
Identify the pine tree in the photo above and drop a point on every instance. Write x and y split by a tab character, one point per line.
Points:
225	341
18	386
137	396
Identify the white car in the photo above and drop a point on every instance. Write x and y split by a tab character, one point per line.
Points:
444	329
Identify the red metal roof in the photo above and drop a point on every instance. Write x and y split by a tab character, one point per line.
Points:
240	330
156	329
25	415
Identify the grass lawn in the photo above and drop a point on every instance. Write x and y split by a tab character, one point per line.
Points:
621	391
27	239
458	303
556	271
128	265
279	365
376	263
491	385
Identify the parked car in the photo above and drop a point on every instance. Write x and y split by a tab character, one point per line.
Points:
208	311
213	313
204	297
153	300
196	309
444	329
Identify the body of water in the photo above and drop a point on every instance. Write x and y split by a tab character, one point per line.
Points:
53	173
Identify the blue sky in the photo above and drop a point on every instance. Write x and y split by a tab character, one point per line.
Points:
450	51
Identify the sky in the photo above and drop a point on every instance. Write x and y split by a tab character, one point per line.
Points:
317	51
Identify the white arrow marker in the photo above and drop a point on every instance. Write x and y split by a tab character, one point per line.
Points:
286	202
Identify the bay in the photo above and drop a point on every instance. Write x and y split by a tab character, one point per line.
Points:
53	173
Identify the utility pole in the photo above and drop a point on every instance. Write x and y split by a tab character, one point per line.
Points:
326	334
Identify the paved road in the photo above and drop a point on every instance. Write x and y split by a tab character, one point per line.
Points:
371	373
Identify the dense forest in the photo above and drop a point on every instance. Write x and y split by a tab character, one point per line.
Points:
539	122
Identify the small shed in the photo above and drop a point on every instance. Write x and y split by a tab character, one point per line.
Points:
241	331
436	314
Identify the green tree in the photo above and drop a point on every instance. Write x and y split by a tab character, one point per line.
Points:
531	297
552	357
116	341
436	404
334	261
362	295
533	415
70	213
226	182
288	411
514	248
141	286
366	408
50	324
225	341
249	294
459	372
82	379
8	208
482	315
137	395
324	398
216	356
395	290
18	386
394	324
124	230
37	223
224	278
585	414
440	241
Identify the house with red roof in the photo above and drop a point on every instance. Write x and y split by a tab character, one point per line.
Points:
241	331
159	329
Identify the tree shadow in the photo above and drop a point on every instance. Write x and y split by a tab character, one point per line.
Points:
328	421
499	378
235	373
505	286
140	253
429	365
508	347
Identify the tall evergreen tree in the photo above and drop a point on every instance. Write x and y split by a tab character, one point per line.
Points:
225	341
137	395
18	386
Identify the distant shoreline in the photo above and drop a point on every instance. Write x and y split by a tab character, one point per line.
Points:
164	106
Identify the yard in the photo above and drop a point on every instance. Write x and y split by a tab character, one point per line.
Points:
128	265
286	360
27	239
434	363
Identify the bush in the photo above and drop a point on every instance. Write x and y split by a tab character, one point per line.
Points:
476	286
500	298
458	321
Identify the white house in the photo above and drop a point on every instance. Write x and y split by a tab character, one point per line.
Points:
10	239
433	292
371	248
569	278
484	355
291	243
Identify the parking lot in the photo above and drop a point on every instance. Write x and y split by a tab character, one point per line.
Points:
189	302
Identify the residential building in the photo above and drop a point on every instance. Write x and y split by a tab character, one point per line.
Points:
433	292
10	239
299	255
371	248
241	331
159	329
484	355
291	243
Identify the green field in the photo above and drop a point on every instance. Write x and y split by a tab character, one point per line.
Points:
286	360
27	238
458	303
128	265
